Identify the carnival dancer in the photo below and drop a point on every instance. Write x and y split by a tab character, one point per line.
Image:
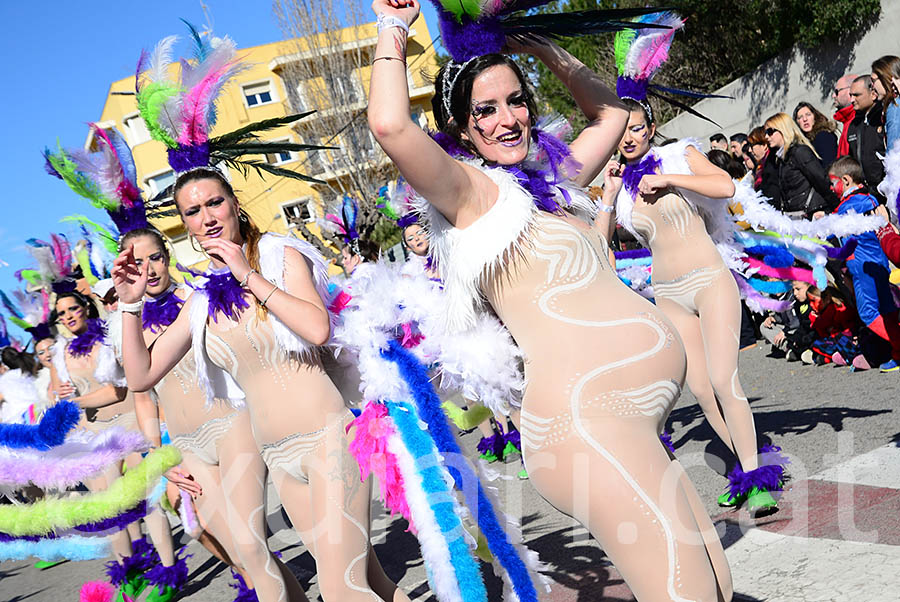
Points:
603	365
256	323
665	196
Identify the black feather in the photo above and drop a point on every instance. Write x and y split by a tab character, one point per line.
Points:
262	147
682	106
260	167
250	131
578	23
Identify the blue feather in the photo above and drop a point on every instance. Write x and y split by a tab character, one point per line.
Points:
126	159
4	335
9	305
49	432
349	212
201	47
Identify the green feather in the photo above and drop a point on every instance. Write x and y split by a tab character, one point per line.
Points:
623	42
84	261
460	8
151	103
19	322
76	180
106	237
32	276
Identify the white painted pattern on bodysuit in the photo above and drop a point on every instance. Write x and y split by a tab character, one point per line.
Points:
675	211
562	231
262	542
684	289
654	399
645	226
534	429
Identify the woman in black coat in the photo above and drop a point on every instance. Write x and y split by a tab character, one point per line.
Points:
819	130
805	188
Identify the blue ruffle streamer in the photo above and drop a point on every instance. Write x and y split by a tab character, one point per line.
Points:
770	287
51	431
777	257
440	498
428	405
66	548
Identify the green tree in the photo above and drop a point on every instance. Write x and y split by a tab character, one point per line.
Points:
721	41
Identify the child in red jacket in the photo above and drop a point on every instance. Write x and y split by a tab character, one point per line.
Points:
835	327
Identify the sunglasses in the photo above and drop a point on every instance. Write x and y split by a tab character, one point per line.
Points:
839	90
770	131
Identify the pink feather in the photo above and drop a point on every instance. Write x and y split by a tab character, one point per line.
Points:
656	53
336	222
96	591
197	102
62	254
45	300
124	189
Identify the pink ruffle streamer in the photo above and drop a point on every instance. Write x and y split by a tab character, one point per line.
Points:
781	273
370	448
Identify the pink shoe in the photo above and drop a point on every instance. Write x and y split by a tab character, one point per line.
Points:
838	359
860	363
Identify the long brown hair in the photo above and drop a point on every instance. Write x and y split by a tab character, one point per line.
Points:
884	69
248	230
821	123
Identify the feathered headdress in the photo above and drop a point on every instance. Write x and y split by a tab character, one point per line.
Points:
181	114
54	265
4	335
97	249
107	178
471	28
641	52
345	225
30	312
394	201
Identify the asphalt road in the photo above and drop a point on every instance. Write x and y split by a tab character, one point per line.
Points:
820	416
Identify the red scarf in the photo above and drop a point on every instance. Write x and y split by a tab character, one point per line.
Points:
844	116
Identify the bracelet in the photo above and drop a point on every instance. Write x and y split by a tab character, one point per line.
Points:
247	277
271	292
388	58
605	208
132	308
387	21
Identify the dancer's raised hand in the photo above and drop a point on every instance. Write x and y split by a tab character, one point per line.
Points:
128	278
408	10
229	253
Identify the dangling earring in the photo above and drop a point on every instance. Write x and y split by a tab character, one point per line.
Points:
201	250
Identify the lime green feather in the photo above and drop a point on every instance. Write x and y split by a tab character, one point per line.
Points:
460	8
151	101
106	237
623	42
84	261
57	514
32	276
19	322
81	185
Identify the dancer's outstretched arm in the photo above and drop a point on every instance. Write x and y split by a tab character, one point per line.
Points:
707	179
102	397
461	193
146	367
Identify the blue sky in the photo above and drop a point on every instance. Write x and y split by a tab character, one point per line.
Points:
58	61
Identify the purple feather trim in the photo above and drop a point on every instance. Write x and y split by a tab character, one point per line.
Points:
173	576
225	295
120	572
633	172
636	89
450	145
131	218
243	593
407	220
467	38
632	254
844	252
493	444
84	343
515	438
161	311
666	438
187	157
768	477
116	572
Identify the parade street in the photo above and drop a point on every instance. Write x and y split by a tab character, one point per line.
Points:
836	536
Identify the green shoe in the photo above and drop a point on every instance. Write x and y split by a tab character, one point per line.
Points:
523	474
509	450
761	503
489	457
167	594
726	500
132	588
46	564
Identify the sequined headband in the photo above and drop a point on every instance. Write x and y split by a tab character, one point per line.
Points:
449	82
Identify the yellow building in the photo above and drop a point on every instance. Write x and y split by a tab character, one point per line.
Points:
266	90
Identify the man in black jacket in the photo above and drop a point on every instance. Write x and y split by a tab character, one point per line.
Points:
865	137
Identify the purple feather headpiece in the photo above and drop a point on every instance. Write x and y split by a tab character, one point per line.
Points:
224	293
83	343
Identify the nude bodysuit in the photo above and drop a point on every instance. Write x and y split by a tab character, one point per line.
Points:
697	292
299	421
81	371
604	367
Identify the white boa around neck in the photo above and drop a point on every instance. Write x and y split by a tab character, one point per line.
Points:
467	258
217	383
107	370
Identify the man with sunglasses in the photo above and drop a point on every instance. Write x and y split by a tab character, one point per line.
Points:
864	136
845	111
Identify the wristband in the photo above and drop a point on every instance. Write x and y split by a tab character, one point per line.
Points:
271	292
605	208
247	278
387	21
132	308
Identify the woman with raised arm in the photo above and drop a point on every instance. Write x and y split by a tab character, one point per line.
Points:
510	222
221	473
675	202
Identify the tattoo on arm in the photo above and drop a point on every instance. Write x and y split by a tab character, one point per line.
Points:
400	43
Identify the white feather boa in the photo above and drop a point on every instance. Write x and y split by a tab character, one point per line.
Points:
890	185
19	393
482	361
107	370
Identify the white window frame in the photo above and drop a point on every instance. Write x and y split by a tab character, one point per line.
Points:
273	92
131	134
151	184
304	200
293	155
185	253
